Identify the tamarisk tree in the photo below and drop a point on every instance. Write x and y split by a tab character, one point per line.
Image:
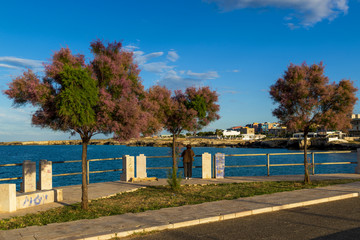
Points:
307	100
190	111
102	96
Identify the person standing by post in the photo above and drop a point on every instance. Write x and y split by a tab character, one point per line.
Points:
188	158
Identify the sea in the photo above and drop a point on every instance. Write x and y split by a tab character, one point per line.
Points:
17	154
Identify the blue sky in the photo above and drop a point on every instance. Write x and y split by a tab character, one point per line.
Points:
237	47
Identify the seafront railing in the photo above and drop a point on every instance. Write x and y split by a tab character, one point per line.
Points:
268	164
214	164
10	165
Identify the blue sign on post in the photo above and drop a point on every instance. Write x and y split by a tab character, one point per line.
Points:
219	165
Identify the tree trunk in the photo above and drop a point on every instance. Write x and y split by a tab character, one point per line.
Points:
174	152
307	177
84	188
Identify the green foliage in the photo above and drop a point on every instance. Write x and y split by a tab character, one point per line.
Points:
174	179
209	133
219	132
199	104
78	96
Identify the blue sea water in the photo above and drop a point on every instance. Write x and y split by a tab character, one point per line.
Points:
17	154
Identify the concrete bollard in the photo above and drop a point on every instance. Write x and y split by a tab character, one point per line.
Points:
29	176
141	166
7	197
45	175
357	169
128	168
219	165
206	165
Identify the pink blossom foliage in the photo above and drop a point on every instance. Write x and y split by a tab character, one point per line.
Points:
190	111
306	99
121	96
181	110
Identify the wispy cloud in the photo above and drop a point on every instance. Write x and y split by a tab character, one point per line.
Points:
157	67
141	58
172	56
130	47
173	80
8	66
16	63
306	12
166	72
184	79
203	76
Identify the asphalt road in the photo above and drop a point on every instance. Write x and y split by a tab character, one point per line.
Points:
335	220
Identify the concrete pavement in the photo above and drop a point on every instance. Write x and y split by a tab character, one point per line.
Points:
126	224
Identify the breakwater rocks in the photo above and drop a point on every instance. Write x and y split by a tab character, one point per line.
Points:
63	142
318	143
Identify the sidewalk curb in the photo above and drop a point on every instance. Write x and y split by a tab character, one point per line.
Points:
219	217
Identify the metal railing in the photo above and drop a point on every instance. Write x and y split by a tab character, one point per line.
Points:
312	164
10	165
169	167
267	164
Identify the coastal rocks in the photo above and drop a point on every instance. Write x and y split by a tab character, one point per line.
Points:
314	143
273	143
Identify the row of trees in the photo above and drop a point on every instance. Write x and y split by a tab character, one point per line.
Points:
106	96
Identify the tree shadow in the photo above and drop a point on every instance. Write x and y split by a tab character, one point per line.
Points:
353	233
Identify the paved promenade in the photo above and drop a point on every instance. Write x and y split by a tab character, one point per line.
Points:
169	218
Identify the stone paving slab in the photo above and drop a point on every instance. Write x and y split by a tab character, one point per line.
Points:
170	218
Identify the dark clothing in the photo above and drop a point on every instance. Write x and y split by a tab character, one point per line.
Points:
188	169
188	155
188	158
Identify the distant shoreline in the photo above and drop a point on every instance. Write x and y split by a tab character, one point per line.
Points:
202	142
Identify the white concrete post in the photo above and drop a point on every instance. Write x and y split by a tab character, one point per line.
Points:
141	166
29	176
7	197
45	175
357	169
206	165
128	168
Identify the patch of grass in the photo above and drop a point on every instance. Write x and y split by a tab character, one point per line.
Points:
152	198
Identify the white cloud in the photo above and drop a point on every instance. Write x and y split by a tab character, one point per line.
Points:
309	12
182	79
172	80
14	62
172	56
156	67
203	76
130	47
8	66
141	59
167	76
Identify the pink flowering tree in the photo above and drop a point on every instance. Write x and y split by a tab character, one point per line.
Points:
184	111
103	96
306	100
